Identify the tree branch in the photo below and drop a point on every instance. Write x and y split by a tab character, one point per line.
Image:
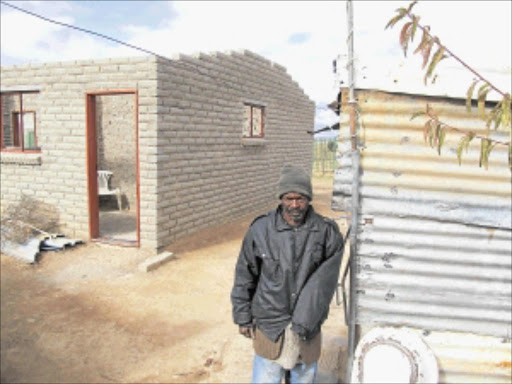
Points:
438	42
451	128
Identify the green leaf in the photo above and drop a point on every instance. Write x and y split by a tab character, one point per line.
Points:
463	145
510	149
483	144
401	13
460	147
469	94
426	52
485	150
417	114
497	118
470	136
491	117
510	155
440	142
414	27
393	21
435	59
482	88
505	111
490	147
424	40
482	94
494	116
410	6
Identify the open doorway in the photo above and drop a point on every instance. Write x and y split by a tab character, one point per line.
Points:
113	173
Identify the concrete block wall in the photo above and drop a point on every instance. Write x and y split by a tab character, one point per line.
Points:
57	175
195	169
206	175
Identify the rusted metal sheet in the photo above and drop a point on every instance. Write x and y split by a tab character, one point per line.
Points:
467	358
434	239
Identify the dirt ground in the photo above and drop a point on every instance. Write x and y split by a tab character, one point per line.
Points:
87	314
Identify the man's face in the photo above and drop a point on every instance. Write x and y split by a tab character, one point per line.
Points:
295	207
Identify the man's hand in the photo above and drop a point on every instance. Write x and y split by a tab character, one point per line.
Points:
247	332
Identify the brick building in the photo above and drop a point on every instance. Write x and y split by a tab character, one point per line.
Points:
191	141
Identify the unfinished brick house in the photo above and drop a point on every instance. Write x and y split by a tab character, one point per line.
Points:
185	143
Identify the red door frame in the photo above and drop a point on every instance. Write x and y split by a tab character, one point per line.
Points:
92	166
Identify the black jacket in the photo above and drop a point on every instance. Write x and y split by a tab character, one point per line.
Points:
287	274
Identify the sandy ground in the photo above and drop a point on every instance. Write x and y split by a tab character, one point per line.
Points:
87	314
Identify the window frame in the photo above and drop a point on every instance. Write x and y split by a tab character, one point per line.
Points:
19	132
18	117
251	107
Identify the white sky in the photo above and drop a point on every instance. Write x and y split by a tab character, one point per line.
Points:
303	36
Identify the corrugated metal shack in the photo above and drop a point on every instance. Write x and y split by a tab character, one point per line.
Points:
433	240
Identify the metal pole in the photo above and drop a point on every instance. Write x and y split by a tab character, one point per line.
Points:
352	103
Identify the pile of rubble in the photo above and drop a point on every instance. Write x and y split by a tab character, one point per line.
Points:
29	227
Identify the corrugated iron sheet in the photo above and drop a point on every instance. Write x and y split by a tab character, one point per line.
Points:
468	358
434	242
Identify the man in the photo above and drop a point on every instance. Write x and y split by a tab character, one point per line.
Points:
285	277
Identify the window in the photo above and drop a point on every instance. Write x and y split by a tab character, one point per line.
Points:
18	123
27	126
254	121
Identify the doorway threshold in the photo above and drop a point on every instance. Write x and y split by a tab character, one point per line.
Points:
118	242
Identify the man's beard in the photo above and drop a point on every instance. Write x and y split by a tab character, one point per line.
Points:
296	214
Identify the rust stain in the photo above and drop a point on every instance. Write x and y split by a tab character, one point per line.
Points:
504	364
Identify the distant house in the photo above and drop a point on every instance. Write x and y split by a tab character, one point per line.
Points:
432	243
186	143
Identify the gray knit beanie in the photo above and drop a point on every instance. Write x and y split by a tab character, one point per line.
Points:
294	179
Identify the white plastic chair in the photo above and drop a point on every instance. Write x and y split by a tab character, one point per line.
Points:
104	187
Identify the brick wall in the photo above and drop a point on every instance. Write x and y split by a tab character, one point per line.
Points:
206	174
57	176
195	170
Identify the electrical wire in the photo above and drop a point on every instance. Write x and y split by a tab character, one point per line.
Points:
174	62
83	30
101	35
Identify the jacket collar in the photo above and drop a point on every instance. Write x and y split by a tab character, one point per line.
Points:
310	221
